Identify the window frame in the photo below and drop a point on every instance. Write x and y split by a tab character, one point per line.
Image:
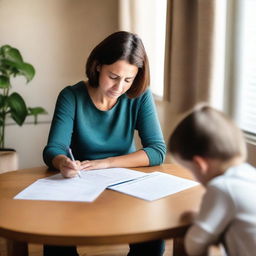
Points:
232	90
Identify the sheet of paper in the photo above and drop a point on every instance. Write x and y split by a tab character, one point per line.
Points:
74	189
112	175
154	186
84	189
108	176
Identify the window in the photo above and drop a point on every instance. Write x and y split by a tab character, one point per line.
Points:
242	72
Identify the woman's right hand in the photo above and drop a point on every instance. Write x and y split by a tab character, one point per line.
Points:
67	167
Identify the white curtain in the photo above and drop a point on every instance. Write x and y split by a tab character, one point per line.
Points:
147	18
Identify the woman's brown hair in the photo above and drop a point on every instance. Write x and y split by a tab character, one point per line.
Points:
120	45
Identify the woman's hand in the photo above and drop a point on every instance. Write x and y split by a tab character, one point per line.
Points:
67	167
95	164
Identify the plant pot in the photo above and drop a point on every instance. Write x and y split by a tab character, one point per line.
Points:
8	160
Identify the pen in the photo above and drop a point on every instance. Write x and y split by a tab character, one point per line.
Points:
73	159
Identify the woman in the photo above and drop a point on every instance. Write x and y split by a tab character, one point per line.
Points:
97	118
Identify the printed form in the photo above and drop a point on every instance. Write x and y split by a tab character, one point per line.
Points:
147	186
154	186
84	189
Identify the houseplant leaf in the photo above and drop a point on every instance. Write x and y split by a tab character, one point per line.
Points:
18	108
27	70
35	112
11	65
10	53
20	68
4	82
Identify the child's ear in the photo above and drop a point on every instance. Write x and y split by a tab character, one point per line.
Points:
201	163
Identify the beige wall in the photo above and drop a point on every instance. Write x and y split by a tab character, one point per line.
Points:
55	36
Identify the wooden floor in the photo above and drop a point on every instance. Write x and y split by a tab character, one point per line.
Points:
117	250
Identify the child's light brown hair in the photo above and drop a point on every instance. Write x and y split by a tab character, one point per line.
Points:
209	133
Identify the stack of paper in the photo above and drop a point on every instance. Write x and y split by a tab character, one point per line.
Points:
147	186
84	189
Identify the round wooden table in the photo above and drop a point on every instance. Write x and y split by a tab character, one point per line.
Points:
113	218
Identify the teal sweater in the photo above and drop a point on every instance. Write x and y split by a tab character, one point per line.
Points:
95	134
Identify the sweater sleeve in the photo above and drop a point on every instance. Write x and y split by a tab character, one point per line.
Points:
150	131
61	127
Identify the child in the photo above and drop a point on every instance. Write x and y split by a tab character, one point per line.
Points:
213	148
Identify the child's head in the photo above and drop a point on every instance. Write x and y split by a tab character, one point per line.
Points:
208	134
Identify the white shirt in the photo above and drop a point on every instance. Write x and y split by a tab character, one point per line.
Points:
228	207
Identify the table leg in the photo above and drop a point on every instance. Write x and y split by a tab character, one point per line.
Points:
178	247
15	248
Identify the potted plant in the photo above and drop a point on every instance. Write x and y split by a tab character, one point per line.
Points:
12	105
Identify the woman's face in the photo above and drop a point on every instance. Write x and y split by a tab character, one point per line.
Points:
116	79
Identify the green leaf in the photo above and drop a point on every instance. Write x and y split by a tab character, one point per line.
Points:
36	111
21	68
11	62
27	70
18	108
4	82
3	49
11	53
8	67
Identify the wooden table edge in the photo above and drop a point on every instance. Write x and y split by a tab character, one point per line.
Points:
93	240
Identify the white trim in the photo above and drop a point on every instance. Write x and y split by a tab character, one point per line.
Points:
250	138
